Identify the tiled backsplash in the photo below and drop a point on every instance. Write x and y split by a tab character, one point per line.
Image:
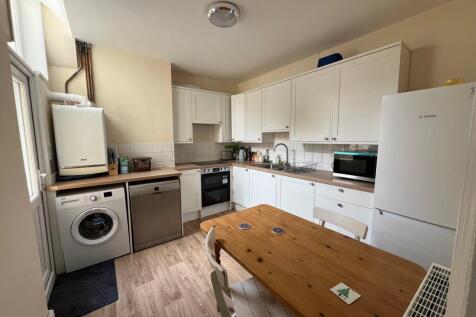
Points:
162	153
198	151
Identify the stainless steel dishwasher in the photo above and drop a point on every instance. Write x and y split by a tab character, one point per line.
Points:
155	213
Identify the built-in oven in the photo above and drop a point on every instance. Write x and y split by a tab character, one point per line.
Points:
215	185
355	165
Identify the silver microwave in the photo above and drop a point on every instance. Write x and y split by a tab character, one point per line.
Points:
355	165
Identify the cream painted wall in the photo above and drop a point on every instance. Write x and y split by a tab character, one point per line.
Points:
204	82
135	91
442	41
21	286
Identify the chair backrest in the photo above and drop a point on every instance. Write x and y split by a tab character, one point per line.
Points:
219	276
358	228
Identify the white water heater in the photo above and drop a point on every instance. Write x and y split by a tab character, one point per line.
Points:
80	138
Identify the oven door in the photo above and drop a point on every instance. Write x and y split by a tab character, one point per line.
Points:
215	188
360	166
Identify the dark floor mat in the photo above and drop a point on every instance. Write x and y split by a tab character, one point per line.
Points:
78	293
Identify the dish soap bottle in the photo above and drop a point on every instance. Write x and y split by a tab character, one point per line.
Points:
266	156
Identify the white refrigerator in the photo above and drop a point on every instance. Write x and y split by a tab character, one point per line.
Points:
420	169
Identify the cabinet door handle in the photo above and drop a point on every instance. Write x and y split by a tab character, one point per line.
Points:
341	190
259	139
326	138
334	139
190	139
287	127
246	170
312	184
273	176
340	205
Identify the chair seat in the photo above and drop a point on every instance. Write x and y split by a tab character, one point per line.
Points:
251	299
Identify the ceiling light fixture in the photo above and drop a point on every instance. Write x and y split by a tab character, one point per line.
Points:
223	14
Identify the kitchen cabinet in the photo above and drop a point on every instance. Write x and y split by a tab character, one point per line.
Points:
264	188
360	85
312	99
206	107
191	190
241	186
296	196
182	120
238	118
276	107
253	132
223	130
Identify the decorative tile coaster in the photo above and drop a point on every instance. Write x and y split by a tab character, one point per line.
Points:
277	230
244	226
345	293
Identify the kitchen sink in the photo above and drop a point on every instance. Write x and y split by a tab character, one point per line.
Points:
285	168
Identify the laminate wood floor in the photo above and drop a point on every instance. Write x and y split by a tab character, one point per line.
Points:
172	279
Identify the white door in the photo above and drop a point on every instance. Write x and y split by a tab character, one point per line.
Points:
253	116
224	129
362	83
33	161
238	118
276	110
206	107
191	191
182	100
263	188
241	186
312	106
296	196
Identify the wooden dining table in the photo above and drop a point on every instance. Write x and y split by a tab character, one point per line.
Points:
301	265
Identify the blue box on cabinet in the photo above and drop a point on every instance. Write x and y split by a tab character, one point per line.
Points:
326	60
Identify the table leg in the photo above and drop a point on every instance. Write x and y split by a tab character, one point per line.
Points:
217	253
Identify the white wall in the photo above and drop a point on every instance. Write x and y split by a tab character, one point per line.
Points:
21	287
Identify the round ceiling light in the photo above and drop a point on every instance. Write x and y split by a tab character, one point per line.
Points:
223	14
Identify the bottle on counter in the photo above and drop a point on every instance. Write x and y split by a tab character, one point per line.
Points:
266	156
123	165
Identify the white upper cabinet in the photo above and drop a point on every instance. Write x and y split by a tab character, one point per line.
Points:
223	130
253	132
206	107
238	118
276	107
312	100
182	101
264	188
360	85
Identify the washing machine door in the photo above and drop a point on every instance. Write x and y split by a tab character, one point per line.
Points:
94	226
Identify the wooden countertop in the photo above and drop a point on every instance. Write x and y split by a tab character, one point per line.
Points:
313	176
109	180
301	265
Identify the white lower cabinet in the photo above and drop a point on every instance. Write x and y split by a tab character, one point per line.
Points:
264	188
241	186
296	196
352	203
191	191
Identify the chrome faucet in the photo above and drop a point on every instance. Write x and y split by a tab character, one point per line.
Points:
287	151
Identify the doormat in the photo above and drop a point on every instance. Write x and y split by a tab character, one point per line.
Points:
80	292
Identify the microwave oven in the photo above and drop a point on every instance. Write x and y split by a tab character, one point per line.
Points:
355	165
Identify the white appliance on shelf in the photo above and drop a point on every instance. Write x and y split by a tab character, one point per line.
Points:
92	226
420	171
80	139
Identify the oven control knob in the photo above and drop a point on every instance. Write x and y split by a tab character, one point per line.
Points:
93	198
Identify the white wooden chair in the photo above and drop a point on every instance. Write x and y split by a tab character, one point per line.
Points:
249	298
358	228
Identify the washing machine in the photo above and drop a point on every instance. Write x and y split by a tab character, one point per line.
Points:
93	225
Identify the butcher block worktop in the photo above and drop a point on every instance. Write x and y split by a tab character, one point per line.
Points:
109	180
318	176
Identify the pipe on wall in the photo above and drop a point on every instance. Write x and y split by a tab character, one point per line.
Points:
84	61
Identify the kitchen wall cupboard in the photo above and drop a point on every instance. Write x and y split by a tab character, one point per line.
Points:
253	132
296	196
312	106
276	107
191	190
352	203
238	117
263	188
206	107
223	130
241	186
182	110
